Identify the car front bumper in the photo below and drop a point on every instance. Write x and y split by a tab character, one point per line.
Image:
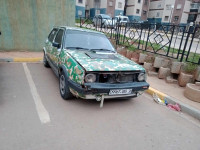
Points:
91	90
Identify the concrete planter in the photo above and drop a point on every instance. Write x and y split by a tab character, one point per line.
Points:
192	92
142	58
148	66
184	78
176	67
170	80
129	54
163	72
197	74
166	63
122	51
158	62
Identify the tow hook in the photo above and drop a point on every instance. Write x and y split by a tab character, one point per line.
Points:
100	98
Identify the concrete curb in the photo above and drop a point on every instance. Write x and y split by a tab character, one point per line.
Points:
36	59
184	107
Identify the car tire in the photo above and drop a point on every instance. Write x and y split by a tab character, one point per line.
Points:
45	62
64	87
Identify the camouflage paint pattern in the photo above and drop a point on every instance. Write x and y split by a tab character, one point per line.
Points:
120	64
74	70
76	94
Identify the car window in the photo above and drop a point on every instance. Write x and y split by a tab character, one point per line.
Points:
106	17
87	40
52	34
59	36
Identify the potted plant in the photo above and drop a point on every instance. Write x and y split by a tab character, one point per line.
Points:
187	74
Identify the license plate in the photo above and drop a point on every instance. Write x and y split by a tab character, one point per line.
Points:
120	92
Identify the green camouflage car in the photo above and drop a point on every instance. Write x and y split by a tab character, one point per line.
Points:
89	67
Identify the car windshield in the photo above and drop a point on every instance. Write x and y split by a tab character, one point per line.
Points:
125	19
106	17
87	40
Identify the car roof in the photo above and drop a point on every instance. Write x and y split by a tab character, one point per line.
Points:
78	29
122	16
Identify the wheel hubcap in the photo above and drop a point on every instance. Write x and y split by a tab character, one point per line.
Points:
62	84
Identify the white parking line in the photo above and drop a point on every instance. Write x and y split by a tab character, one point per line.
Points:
42	112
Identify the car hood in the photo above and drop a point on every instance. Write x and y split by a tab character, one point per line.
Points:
103	61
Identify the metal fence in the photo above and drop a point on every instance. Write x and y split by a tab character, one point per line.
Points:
174	41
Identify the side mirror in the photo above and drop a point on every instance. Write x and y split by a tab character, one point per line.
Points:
55	44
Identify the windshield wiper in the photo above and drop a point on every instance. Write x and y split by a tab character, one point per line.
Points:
101	49
82	48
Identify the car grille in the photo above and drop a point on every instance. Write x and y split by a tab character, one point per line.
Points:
119	77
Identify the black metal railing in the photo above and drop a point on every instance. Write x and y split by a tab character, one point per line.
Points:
174	41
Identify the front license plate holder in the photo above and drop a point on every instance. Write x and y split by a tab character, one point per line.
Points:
120	92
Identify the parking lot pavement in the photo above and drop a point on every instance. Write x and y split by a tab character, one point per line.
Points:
29	92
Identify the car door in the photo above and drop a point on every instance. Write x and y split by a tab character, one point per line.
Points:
49	42
56	50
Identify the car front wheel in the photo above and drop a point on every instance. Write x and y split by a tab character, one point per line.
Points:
64	87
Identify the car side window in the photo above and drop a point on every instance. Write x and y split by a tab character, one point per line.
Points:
59	36
52	34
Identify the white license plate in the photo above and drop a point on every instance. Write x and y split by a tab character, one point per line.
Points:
120	92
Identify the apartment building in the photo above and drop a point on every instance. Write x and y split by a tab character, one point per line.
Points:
155	11
137	10
174	11
90	8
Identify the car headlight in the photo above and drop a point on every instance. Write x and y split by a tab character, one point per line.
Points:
89	78
141	77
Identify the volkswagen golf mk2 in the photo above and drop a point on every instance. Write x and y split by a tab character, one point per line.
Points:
89	67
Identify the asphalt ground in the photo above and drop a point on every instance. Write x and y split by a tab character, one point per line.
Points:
33	116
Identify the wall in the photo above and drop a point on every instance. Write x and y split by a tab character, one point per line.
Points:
132	8
25	24
145	7
80	9
110	8
168	12
118	10
186	9
156	11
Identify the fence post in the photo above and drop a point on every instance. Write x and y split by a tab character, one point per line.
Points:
193	33
172	34
186	41
125	32
140	36
149	29
80	23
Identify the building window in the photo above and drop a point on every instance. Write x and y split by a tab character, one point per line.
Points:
145	2
168	7
157	14
119	5
139	1
144	12
80	1
137	11
176	18
166	18
159	6
179	6
110	4
97	4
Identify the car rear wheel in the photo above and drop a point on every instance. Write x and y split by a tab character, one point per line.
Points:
64	87
45	62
